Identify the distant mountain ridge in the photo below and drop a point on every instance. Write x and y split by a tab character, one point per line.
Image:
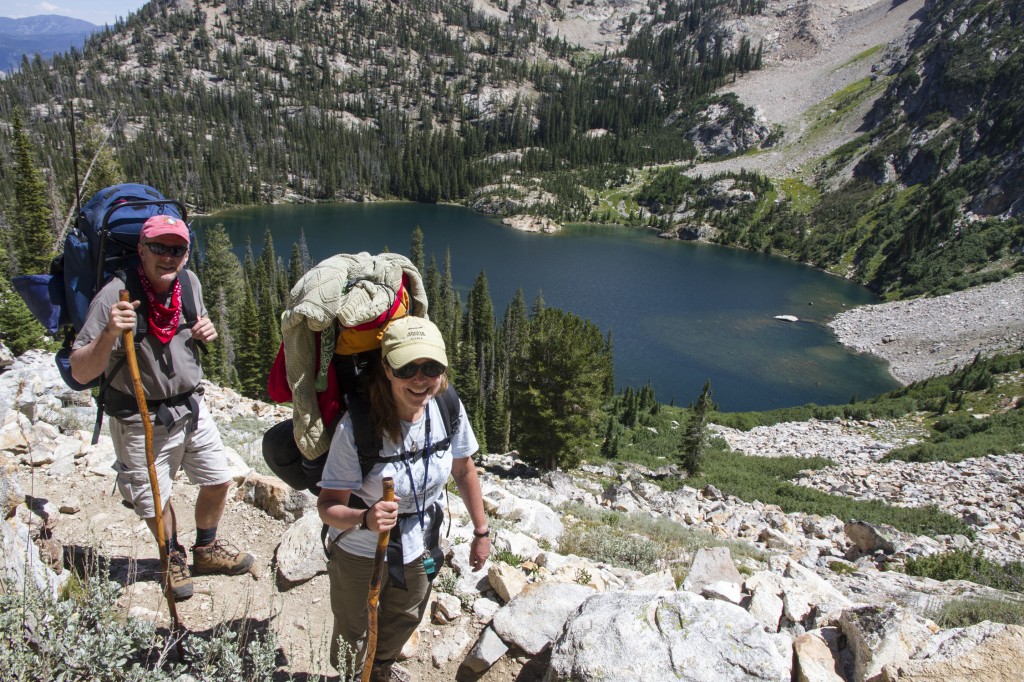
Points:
42	34
672	116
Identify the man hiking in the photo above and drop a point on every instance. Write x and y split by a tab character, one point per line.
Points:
184	434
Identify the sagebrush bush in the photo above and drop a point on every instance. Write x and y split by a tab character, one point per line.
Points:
630	551
84	638
963	613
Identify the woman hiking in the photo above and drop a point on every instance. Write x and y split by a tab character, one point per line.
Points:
418	455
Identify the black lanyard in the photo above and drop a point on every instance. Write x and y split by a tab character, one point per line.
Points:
421	512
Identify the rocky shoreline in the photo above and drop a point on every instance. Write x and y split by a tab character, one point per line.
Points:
927	337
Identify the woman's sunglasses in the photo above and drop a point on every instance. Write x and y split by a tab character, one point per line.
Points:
158	249
431	368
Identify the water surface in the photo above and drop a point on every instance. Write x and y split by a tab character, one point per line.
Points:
680	313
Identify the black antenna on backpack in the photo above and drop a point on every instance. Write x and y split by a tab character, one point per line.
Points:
74	158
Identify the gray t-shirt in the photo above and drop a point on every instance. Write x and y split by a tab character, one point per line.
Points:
419	482
166	372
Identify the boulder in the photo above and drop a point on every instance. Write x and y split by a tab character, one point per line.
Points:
988	651
809	599
628	636
507	581
868	538
21	563
277	498
711	565
300	556
6	356
451	645
470	581
880	636
488	649
445	608
816	657
517	543
536	617
11	494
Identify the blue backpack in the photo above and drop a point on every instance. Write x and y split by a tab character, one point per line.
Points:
102	245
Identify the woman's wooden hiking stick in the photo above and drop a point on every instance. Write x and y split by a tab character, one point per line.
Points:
128	338
374	594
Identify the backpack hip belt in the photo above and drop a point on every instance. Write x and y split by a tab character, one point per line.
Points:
120	405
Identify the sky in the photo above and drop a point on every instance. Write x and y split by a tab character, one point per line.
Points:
98	12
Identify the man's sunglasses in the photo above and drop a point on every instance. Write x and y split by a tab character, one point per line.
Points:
431	368
158	249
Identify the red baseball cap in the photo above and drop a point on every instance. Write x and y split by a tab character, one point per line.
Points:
164	224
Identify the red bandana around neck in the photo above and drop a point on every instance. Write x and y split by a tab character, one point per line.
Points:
163	320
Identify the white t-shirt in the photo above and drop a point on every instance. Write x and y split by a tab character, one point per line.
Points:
342	472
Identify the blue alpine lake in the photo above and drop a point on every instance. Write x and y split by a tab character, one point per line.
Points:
680	313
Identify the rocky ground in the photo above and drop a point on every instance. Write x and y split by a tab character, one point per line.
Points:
60	490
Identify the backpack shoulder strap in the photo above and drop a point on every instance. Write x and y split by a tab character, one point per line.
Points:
189	305
449	405
368	441
189	310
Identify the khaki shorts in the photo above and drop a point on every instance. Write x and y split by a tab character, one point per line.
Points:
200	453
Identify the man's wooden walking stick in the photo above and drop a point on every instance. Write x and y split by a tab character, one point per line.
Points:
375	579
128	339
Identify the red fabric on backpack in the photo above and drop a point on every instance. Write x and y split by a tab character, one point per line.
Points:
277	381
330	401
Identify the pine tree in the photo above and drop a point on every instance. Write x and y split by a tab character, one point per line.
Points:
416	249
481	307
445	311
696	437
270	334
34	239
307	260
224	295
252	371
268	264
498	419
609	439
295	267
538	304
222	271
219	365
609	385
557	393
20	331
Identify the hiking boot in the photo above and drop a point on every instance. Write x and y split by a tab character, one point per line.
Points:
180	581
220	557
389	672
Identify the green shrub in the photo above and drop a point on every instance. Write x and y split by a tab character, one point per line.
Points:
767	479
969	565
962	436
505	556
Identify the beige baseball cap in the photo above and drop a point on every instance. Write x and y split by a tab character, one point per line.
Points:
411	338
